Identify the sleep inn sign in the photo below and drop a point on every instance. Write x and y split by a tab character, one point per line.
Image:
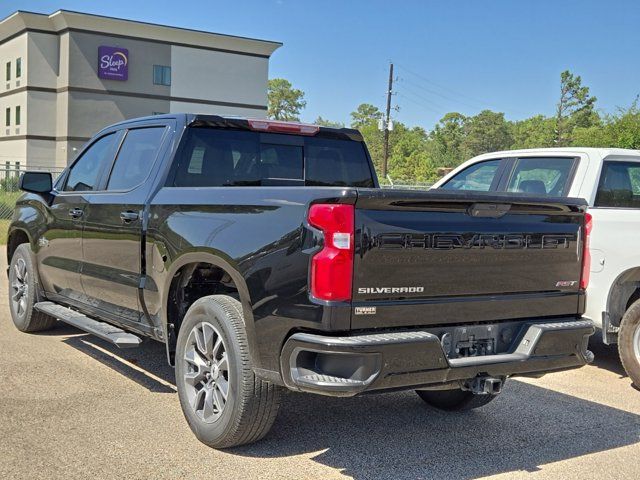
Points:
113	63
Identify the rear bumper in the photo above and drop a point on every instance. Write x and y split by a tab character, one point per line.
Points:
349	365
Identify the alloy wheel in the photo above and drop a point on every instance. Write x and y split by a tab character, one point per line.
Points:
636	342
20	287
206	366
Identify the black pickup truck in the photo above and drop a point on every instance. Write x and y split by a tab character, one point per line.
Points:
265	256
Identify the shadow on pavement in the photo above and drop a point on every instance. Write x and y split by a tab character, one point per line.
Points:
397	436
606	356
146	365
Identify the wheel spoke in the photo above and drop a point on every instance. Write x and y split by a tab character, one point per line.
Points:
197	401
208	409
194	358
23	269
222	386
204	340
17	269
22	305
216	347
17	295
223	363
218	399
194	378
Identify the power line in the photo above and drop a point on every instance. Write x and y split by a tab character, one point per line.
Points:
444	96
479	103
450	90
422	105
423	98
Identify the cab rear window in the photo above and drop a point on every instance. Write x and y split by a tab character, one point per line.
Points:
211	157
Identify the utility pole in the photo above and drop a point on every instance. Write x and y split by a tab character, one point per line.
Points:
387	124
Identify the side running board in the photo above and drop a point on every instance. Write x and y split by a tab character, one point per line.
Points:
103	330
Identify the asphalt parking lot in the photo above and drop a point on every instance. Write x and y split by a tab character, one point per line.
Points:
73	406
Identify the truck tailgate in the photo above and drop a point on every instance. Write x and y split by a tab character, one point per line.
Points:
431	258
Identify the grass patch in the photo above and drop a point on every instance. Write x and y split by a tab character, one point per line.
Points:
4	227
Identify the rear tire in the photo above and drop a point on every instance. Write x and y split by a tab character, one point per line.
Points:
24	292
224	402
457	400
629	343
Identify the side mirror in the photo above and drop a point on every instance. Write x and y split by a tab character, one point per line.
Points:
36	182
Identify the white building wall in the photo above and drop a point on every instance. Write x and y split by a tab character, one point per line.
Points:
12	101
12	151
42	65
9	51
41	154
186	107
40	113
218	76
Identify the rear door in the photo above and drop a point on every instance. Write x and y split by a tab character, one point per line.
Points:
60	255
437	258
112	235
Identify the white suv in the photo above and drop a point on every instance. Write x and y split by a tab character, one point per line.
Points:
609	179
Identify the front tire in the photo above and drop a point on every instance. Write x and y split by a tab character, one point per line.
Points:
629	342
224	402
456	400
24	292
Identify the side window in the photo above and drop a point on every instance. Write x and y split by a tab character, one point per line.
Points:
83	176
135	158
619	185
477	177
541	176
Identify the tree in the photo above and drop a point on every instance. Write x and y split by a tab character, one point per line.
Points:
621	130
447	138
365	114
409	159
575	107
327	123
535	132
285	102
486	132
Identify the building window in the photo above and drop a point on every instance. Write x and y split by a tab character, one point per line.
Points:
8	71
18	67
7	117
161	75
17	115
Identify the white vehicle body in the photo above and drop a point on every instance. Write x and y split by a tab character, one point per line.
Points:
615	238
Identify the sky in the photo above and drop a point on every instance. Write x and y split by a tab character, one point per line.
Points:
463	55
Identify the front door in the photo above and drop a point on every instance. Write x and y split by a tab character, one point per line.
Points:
60	244
112	235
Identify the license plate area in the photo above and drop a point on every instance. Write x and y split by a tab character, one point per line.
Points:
476	340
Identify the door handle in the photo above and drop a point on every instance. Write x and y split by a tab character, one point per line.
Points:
75	212
129	216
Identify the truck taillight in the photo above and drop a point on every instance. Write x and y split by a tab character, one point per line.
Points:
586	255
332	267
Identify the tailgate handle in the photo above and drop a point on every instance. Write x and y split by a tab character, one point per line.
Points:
489	210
